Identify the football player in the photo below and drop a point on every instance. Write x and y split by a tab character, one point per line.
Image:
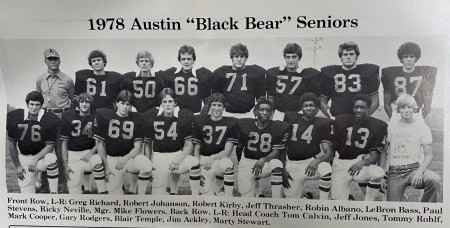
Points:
262	139
190	85
358	140
168	142
215	137
102	85
240	84
404	141
31	136
143	84
78	145
286	84
417	81
119	140
309	149
341	83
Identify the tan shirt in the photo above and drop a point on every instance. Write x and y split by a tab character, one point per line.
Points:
58	90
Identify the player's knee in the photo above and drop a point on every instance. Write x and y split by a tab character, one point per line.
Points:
192	162
433	178
96	160
50	158
226	164
376	172
143	164
276	164
324	168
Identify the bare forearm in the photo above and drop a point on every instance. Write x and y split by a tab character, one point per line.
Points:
14	153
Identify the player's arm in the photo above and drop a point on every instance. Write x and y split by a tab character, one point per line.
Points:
148	148
20	171
371	159
274	154
132	154
71	90
47	149
327	156
417	179
387	104
428	92
285	174
187	150
38	84
375	103
324	106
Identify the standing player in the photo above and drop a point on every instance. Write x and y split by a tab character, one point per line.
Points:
358	139
403	146
240	84
168	142
102	85
417	81
305	160
143	84
31	137
119	143
286	84
190	85
262	139
215	137
341	83
78	145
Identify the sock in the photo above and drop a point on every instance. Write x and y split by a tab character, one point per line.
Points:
373	188
257	187
134	181
228	182
52	176
142	182
324	186
194	179
276	182
99	177
87	181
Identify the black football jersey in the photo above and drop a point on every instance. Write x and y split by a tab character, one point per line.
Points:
104	88
213	135
145	90
32	135
190	89
118	133
341	85
258	143
168	134
306	136
419	83
240	87
287	87
352	138
78	130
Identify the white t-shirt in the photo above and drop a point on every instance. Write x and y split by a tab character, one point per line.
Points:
405	142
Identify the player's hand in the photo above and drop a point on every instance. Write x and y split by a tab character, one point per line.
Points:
355	168
86	157
175	164
208	163
312	168
257	168
20	171
107	173
417	180
68	171
383	185
121	163
32	165
286	177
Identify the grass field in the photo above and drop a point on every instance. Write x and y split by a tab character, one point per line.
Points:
312	186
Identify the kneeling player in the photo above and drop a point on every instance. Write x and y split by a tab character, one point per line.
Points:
214	139
358	139
78	145
262	139
32	136
305	161
119	143
405	139
168	142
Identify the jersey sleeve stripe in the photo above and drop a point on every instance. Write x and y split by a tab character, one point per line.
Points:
138	139
99	138
12	139
324	96
373	94
63	137
50	143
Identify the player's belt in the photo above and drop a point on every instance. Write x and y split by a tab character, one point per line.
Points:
402	167
56	110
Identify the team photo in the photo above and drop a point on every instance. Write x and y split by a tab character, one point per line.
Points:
323	118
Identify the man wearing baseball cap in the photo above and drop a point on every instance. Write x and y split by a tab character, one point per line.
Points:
58	91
